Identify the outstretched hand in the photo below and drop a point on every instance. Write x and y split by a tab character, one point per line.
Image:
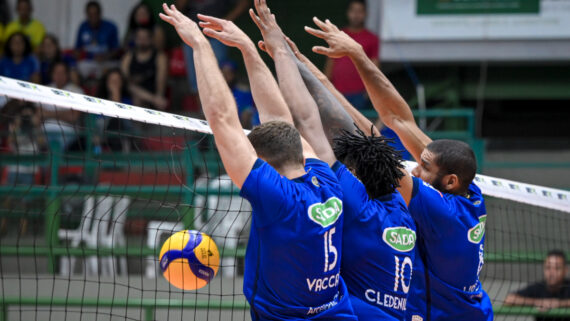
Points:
186	28
340	44
273	38
225	31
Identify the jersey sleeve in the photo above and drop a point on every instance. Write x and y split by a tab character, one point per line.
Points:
429	207
355	195
268	193
322	171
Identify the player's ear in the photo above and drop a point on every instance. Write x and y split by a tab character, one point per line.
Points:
451	183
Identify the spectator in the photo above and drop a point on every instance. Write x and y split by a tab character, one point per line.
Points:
114	86
60	74
342	72
60	124
226	9
146	69
50	53
18	61
142	16
248	114
552	293
32	28
25	138
97	42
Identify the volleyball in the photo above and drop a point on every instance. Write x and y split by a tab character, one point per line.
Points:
189	259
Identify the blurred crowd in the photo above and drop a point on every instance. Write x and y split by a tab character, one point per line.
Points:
143	69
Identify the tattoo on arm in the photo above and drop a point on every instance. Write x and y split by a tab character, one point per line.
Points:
333	116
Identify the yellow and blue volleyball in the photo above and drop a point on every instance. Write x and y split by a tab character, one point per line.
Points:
189	259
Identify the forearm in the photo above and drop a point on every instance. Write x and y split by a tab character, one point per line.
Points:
264	88
303	108
385	98
361	122
392	108
515	299
215	95
333	116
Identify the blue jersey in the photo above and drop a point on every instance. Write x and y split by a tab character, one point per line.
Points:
378	241
450	247
292	262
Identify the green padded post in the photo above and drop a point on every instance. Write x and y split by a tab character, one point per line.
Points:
52	211
149	314
3	312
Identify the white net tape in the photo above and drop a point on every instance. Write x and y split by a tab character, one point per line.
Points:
502	188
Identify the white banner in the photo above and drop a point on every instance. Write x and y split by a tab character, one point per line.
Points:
400	22
520	192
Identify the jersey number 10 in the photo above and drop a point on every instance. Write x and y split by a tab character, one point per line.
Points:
330	248
400	273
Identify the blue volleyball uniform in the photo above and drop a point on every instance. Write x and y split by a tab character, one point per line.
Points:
292	262
378	241
451	234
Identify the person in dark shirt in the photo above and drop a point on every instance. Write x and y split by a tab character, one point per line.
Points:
97	42
551	293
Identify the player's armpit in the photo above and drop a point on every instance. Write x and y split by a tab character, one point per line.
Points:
237	153
406	186
413	138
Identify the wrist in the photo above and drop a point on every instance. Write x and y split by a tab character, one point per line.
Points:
247	47
356	51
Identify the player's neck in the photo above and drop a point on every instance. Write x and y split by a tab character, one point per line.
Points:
292	172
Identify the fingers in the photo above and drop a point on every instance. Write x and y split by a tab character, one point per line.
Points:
321	24
256	19
322	50
210	19
317	33
210	25
166	18
331	25
211	33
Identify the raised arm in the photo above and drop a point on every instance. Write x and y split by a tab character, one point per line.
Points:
300	102
318	82
219	106
264	89
392	108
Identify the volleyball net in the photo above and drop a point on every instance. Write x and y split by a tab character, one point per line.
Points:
90	190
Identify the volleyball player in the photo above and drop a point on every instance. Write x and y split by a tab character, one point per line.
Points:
379	233
294	250
447	206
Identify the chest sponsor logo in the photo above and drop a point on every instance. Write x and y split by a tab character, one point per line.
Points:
476	233
325	214
400	238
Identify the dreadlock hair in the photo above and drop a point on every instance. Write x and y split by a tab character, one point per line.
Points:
375	163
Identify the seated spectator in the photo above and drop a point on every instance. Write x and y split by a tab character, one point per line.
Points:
97	42
32	28
248	114
60	74
114	86
60	124
50	53
142	16
342	72
25	138
146	69
18	61
552	293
